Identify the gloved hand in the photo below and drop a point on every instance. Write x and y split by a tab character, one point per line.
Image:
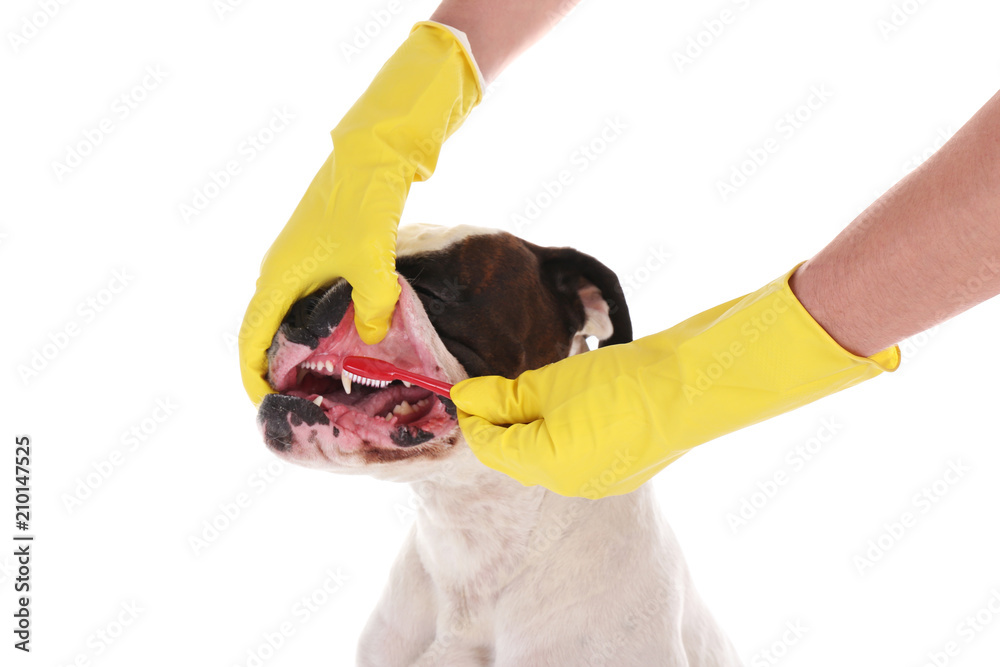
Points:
603	422
345	225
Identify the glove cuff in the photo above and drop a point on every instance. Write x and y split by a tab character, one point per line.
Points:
885	360
463	40
756	357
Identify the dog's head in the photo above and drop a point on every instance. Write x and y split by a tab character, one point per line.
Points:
473	302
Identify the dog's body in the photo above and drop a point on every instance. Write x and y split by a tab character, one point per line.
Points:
492	573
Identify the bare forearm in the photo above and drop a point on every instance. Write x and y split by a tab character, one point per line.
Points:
927	250
499	30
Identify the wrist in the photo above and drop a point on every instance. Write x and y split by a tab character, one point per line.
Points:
463	40
835	308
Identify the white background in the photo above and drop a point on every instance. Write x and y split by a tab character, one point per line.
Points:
169	335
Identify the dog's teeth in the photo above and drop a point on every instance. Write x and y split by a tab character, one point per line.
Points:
345	379
406	384
329	366
318	400
388	416
300	373
403	408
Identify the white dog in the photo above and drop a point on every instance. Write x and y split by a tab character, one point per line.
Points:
492	572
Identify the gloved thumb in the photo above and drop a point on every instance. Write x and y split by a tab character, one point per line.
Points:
521	451
498	400
374	301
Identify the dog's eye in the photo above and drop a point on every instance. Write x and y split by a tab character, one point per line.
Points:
448	291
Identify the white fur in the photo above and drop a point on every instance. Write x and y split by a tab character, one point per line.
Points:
494	573
421	238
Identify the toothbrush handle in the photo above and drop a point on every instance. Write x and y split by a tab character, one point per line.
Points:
437	386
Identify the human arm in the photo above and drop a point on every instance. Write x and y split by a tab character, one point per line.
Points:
925	251
500	31
604	422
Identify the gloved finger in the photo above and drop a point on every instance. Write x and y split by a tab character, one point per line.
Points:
374	302
504	448
499	400
525	452
260	322
375	288
255	385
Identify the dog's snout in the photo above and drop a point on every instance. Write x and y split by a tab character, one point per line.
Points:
278	434
277	415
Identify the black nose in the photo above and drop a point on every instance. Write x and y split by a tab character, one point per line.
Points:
278	413
278	434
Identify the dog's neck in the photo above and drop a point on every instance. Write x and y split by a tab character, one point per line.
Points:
476	524
478	528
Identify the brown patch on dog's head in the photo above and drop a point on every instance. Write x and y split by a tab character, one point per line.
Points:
502	305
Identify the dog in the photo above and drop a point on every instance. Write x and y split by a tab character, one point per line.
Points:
492	573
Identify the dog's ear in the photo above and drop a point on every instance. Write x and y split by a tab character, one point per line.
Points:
590	293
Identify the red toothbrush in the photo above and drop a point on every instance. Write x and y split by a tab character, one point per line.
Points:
378	373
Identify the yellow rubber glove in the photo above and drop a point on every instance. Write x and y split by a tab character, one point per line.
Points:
345	225
604	422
